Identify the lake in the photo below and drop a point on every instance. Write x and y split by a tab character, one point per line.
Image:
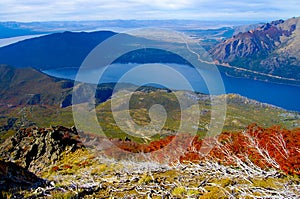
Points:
281	95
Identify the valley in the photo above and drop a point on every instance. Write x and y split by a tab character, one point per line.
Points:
66	137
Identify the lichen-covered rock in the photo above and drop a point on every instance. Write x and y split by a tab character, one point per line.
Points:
34	148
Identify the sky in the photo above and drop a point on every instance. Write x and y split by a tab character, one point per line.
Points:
78	10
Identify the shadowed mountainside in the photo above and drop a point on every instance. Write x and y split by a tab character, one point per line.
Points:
14	177
56	50
29	86
69	49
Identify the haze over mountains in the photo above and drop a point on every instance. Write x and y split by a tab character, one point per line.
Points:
270	49
11	28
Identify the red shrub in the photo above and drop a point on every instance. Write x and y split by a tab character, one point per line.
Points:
258	144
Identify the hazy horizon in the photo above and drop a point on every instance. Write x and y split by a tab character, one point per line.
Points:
94	10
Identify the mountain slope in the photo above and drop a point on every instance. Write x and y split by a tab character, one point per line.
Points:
272	48
240	165
56	50
29	86
69	49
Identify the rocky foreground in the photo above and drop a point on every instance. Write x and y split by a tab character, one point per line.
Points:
61	167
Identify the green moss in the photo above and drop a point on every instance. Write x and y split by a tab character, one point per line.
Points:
6	134
145	179
214	192
192	192
99	169
269	183
223	182
170	174
63	195
179	191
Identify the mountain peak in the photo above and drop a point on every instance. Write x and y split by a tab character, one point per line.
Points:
271	48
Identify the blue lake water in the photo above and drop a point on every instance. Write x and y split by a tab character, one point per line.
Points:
281	95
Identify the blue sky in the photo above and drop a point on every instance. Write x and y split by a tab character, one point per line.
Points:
56	10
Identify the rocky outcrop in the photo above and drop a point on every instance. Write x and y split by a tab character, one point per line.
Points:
14	177
34	148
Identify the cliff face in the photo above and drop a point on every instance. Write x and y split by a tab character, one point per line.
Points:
271	48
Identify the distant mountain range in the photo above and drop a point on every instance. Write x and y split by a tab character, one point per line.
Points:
12	28
272	48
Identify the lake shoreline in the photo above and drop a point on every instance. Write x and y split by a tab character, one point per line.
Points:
278	94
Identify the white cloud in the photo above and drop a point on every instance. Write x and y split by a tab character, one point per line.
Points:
45	10
166	4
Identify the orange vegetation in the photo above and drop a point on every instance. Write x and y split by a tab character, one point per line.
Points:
273	147
265	147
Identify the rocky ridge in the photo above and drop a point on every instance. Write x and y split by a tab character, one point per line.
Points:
271	48
36	148
73	171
